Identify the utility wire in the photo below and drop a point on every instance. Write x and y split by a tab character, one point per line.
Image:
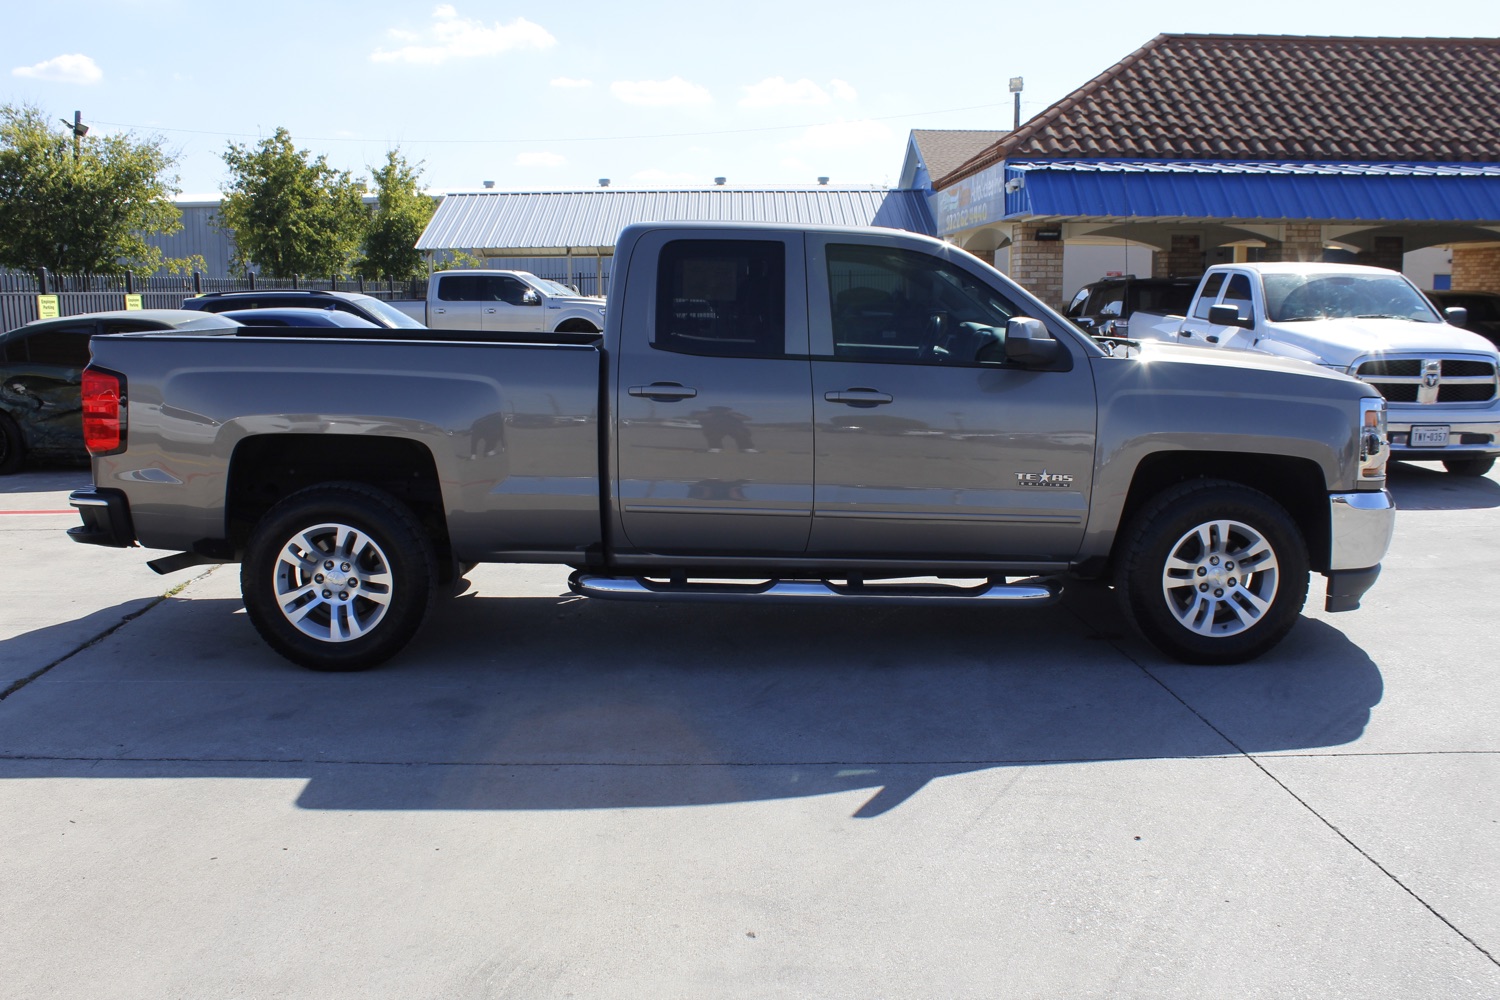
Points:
553	139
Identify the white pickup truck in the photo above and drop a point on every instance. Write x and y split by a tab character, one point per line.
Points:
1439	381
510	301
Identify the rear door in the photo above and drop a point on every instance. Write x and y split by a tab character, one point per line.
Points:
929	444
714	413
459	302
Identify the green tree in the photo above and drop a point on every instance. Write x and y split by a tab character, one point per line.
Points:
85	205
289	213
402	211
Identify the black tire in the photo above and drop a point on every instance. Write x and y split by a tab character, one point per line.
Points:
12	446
1469	466
369	543
1183	583
576	326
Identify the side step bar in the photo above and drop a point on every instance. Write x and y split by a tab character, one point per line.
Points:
1033	591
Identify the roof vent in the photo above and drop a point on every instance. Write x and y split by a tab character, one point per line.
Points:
604	182
489	185
823	181
720	181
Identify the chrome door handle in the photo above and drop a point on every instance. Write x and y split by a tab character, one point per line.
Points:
859	397
663	392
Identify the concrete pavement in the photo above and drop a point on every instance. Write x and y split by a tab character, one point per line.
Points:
550	797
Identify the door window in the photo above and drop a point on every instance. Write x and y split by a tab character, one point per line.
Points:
1238	293
724	298
510	290
463	288
69	348
890	304
1209	296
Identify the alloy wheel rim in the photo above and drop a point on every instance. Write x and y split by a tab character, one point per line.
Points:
333	582
1220	578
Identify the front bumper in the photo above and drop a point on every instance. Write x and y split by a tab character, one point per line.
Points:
1361	526
106	518
1471	434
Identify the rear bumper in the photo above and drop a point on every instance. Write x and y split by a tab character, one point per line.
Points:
106	518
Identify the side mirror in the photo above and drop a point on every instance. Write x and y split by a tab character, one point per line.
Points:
530	298
1457	315
1028	343
1227	315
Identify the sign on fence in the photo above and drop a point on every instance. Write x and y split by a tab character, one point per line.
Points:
47	307
133	302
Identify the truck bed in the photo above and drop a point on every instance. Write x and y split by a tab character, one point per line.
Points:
511	426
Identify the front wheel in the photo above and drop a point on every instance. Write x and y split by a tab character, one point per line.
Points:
338	577
1469	466
1213	572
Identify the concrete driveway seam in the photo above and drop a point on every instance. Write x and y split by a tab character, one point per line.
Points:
101	636
1255	760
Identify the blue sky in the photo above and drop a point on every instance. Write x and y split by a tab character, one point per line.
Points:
649	94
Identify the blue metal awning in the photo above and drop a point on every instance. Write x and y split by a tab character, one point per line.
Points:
1248	191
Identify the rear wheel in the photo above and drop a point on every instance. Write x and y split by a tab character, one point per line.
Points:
1214	572
1469	466
338	577
12	447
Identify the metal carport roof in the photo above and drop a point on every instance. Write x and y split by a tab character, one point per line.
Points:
545	223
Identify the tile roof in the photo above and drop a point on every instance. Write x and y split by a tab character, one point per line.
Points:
1275	97
944	150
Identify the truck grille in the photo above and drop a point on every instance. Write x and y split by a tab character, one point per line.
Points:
1431	380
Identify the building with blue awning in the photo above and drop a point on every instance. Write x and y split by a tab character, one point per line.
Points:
1210	148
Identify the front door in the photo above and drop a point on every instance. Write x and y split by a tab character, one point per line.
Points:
929	444
714	413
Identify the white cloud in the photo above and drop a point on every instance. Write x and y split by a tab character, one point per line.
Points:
842	91
568	82
75	68
675	92
454	37
540	160
840	135
777	92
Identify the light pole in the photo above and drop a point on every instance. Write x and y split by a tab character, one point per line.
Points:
79	130
1016	83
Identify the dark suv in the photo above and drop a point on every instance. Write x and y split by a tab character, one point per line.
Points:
1101	306
364	306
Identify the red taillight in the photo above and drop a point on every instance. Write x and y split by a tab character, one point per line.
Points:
103	418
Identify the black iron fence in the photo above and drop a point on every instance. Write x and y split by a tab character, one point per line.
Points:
21	302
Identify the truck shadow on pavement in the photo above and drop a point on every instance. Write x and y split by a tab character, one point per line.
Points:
553	703
1428	486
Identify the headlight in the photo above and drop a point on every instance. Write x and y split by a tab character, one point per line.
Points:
1374	450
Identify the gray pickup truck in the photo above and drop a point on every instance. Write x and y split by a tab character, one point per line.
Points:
771	413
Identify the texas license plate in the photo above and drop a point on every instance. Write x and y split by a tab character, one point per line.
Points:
1430	436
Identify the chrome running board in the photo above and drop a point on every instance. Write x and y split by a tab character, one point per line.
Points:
1032	591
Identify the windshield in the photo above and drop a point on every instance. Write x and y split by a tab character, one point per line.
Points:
1294	297
390	315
